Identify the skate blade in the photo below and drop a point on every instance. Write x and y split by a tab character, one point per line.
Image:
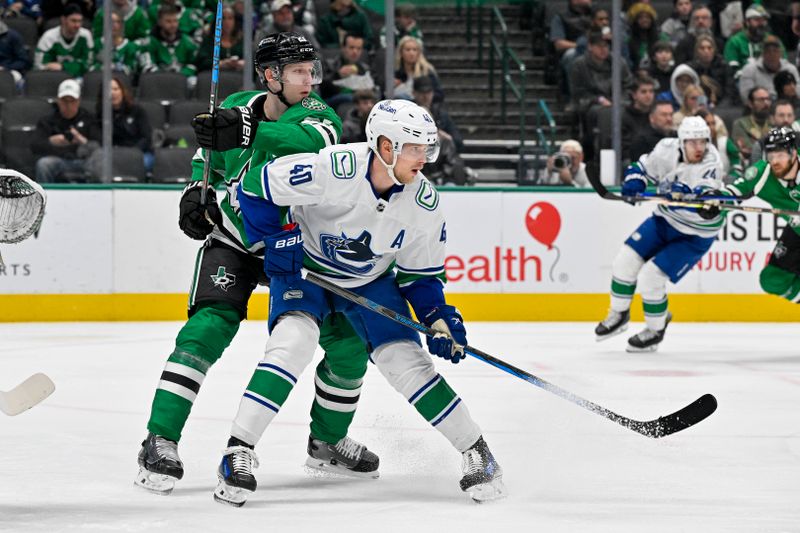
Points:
160	484
621	329
486	492
321	468
634	349
233	496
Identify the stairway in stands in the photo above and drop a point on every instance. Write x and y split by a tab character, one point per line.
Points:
491	145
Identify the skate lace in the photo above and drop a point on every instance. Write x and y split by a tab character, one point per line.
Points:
166	449
647	334
349	448
472	462
611	319
243	459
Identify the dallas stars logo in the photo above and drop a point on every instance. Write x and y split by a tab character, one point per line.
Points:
223	280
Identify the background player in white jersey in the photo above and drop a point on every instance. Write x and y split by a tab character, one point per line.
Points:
669	243
363	209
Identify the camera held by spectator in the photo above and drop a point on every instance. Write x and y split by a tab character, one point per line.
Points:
566	167
561	160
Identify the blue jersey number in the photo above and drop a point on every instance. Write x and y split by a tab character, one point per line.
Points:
300	174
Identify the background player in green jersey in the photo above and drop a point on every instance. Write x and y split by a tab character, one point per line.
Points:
776	182
249	129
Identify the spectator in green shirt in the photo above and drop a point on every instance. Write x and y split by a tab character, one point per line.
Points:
136	23
170	50
747	43
66	47
343	18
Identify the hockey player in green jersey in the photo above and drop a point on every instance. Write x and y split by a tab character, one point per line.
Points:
286	119
776	182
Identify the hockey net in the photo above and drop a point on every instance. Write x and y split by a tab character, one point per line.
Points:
22	204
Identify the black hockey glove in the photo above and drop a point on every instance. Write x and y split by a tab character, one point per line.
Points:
709	211
226	129
192	219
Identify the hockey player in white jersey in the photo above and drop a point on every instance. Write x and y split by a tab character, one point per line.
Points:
364	210
673	239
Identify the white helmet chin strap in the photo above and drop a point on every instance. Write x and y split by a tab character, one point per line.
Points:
390	168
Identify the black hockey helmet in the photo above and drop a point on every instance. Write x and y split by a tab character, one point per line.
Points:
277	50
782	138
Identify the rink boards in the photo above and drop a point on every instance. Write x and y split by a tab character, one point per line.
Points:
515	254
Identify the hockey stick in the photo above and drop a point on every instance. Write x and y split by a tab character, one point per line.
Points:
26	395
697	204
660	427
212	101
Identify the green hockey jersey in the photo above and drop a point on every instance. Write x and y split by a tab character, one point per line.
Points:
308	126
176	56
759	180
127	57
136	24
75	57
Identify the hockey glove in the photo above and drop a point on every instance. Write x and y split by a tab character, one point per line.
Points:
283	255
680	191
711	209
225	129
633	186
193	218
451	336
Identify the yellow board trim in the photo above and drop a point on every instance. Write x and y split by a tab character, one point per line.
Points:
475	307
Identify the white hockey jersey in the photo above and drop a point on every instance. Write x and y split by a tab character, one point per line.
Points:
664	165
350	234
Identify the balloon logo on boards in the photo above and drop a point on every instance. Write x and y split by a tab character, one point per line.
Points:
544	223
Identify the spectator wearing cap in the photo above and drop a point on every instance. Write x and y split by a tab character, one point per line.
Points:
136	24
747	44
572	174
13	53
662	65
67	47
346	73
590	82
405	18
355	120
231	47
64	139
785	84
675	27
450	167
761	72
709	65
701	22
643	32
283	18
344	17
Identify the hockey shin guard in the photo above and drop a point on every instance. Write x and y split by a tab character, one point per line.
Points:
624	272
653	286
199	345
409	369
289	349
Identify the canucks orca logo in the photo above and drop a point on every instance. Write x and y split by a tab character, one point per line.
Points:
352	255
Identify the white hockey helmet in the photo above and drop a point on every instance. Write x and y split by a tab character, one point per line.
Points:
693	128
402	122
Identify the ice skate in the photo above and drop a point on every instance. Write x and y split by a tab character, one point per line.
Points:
615	323
235	473
347	458
483	477
647	340
159	465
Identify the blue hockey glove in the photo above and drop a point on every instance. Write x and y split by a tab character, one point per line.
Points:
633	186
451	336
283	254
680	191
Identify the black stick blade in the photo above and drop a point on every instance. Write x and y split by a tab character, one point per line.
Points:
690	415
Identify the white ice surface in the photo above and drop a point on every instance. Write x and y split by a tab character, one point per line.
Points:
69	463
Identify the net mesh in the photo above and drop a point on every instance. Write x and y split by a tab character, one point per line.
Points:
21	208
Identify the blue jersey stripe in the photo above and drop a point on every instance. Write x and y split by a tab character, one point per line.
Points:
450	410
262	402
279	370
